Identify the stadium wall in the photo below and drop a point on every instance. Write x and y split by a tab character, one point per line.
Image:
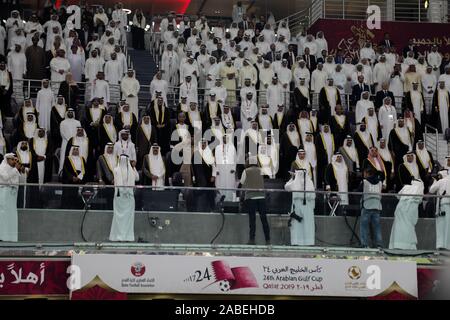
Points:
41	226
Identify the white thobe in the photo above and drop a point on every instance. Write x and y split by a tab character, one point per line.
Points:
301	73
57	64
100	89
221	93
161	86
113	71
396	85
361	109
130	86
406	215
444	106
77	63
9	178
274	97
381	74
92	67
225	170
44	102
442	221
318	80
249	110
17	65
387	115
446	78
68	129
434	59
189	90
170	64
122	227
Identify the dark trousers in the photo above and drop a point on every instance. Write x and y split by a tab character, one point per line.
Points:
259	205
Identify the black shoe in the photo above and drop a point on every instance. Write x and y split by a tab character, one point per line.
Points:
251	242
268	243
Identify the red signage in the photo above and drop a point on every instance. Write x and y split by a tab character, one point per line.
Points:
350	35
33	277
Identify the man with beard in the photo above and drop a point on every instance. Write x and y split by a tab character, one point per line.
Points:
302	163
203	165
107	131
339	125
290	143
408	170
301	97
73	173
425	162
363	140
325	150
126	119
400	141
125	146
388	161
350	156
329	98
160	119
387	116
154	167
336	178
146	136
93	122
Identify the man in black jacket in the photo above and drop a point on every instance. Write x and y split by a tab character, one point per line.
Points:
359	88
382	94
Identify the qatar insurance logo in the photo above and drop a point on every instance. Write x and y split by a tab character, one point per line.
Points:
138	269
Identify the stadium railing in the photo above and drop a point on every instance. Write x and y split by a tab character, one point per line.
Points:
88	207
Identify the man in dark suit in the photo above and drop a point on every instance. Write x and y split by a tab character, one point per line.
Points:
339	59
386	42
272	54
244	24
359	88
290	56
261	23
410	47
383	93
219	53
85	35
310	60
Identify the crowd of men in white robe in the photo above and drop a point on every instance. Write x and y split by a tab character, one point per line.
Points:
256	69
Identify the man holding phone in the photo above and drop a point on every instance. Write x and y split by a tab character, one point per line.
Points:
10	171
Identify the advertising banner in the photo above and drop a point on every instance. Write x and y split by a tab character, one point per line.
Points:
33	277
147	274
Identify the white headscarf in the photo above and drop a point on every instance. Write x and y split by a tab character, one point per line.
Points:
29	127
403	134
40	144
110	129
294	137
23	156
423	156
206	154
61	108
124	174
156	163
83	143
111	159
351	151
77	162
413	168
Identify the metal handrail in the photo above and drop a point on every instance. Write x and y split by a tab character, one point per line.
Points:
398	10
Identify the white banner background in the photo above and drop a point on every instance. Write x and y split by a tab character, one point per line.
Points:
246	275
